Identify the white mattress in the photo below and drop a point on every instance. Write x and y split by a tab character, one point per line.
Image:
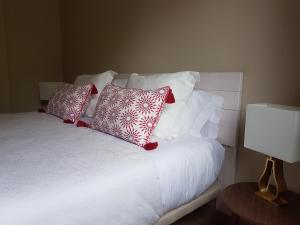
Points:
54	173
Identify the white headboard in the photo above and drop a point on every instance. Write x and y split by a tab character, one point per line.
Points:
228	85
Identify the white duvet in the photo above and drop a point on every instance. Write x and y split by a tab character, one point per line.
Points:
52	173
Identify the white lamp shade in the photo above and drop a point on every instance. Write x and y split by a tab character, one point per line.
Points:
273	130
47	89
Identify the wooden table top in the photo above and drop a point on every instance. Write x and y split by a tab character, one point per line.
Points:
240	198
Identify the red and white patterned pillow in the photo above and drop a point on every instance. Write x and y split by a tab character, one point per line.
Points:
69	102
130	114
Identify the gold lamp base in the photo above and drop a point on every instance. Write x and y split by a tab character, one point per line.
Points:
274	195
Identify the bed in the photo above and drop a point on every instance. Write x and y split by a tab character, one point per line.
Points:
55	173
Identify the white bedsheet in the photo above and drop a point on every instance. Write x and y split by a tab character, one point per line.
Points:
54	173
187	166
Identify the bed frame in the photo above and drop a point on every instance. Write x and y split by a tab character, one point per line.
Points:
228	85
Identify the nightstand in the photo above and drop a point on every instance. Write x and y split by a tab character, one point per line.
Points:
240	198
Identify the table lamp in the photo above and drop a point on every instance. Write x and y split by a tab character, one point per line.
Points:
46	91
273	130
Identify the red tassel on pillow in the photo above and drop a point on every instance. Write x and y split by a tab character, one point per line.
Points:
68	121
81	123
170	97
94	90
150	146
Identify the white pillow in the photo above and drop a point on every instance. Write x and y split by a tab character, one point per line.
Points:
172	120
120	82
204	115
99	80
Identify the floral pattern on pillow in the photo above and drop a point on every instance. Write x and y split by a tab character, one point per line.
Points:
130	114
69	102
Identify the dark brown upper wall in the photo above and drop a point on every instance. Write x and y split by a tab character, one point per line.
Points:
4	84
257	37
33	50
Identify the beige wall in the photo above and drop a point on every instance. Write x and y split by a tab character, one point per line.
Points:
4	81
257	37
33	46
